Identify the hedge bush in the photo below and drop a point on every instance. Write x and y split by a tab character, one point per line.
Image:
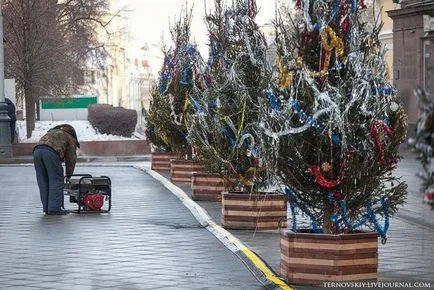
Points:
112	120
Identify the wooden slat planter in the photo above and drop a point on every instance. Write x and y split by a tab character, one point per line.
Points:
208	187
253	211
182	170
308	258
161	160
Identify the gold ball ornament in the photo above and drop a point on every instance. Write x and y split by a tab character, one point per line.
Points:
326	167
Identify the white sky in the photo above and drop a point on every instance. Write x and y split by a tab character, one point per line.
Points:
150	19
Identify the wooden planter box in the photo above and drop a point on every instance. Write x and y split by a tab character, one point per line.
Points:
208	187
241	210
308	258
161	160
182	170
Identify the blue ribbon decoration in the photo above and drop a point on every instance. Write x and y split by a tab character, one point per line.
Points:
181	132
303	117
190	49
317	26
370	215
306	119
384	91
293	203
294	217
353	6
164	77
315	228
335	10
185	80
195	105
387	121
381	231
228	134
274	101
349	37
213	104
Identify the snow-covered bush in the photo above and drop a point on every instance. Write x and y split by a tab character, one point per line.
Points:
112	120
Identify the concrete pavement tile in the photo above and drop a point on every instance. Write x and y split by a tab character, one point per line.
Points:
128	243
12	282
45	278
21	276
103	284
4	281
55	285
21	288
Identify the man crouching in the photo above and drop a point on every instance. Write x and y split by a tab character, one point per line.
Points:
57	145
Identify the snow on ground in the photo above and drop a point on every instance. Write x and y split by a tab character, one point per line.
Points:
84	130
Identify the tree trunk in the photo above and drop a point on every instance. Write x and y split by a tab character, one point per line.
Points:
38	110
30	111
328	225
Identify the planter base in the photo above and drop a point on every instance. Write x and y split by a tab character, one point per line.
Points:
182	170
161	160
308	258
207	187
253	211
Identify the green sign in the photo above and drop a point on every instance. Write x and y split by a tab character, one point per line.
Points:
68	103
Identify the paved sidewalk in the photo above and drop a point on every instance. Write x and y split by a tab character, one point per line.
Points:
149	240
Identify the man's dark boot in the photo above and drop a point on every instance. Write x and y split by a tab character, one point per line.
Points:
60	212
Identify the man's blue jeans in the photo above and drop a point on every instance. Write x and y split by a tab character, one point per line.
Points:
49	174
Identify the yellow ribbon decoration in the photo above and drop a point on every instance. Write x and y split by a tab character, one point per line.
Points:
163	137
186	103
331	41
243	115
285	77
184	108
248	177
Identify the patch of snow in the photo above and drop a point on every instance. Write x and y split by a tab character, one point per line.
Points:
84	130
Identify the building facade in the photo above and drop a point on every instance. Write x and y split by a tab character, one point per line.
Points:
127	76
413	52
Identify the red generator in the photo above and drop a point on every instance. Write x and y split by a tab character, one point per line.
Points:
91	194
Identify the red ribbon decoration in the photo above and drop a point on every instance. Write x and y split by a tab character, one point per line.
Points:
298	4
252	8
320	179
374	134
362	3
337	195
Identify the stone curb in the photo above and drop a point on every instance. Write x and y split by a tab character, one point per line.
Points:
254	263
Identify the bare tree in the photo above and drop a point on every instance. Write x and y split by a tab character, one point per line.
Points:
48	43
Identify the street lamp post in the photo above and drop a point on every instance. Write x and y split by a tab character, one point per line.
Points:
5	134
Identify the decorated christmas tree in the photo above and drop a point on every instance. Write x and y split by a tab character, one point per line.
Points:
335	121
223	128
158	125
423	144
180	75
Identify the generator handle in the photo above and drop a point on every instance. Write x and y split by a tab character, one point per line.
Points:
68	176
85	175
